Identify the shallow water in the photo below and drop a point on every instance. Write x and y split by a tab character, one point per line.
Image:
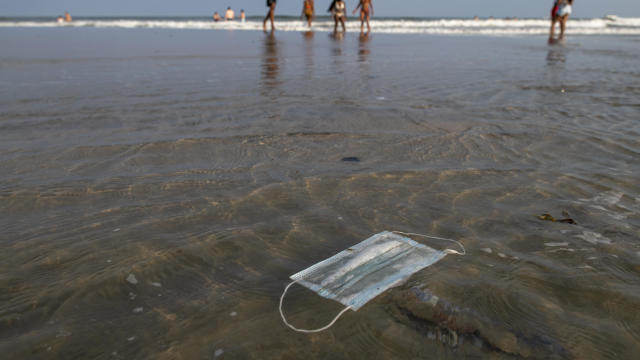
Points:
158	187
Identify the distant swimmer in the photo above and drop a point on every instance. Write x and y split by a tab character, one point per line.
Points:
366	11
216	17
229	15
560	13
339	11
67	16
271	4
308	10
243	17
60	19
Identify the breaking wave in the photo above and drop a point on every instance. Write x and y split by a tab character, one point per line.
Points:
610	25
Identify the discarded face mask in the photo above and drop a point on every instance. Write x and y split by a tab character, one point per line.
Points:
360	273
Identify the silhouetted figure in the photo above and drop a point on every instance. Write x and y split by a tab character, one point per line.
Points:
308	11
560	13
270	15
339	10
366	11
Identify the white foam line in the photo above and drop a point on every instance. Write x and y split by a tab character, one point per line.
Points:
498	27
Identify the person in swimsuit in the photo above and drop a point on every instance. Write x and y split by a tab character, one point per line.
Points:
366	10
216	16
67	17
560	13
271	4
229	15
243	17
308	10
339	10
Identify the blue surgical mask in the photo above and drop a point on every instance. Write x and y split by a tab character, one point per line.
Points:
358	274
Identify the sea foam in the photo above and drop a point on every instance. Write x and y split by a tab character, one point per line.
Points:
496	27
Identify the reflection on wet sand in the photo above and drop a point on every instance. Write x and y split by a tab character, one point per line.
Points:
556	56
363	59
336	51
363	48
308	53
270	62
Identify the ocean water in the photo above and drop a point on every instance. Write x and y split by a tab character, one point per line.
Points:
158	186
609	25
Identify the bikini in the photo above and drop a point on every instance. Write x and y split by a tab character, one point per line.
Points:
339	8
307	9
365	8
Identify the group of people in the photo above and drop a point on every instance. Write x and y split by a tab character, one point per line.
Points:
338	10
66	18
559	14
229	15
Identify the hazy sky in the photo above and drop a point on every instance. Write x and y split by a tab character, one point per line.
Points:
449	8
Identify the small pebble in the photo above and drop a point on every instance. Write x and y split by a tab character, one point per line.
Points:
138	310
351	159
502	255
132	279
340	218
109	261
132	296
563	91
380	98
131	338
156	284
233	313
116	230
487	250
218	353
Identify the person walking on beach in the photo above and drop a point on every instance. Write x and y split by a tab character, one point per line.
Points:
339	11
229	15
308	10
366	10
560	13
271	4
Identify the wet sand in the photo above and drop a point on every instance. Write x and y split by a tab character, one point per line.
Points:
158	187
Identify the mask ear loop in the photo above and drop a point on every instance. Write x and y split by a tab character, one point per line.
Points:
447	251
303	330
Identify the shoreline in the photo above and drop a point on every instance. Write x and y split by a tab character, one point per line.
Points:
436	26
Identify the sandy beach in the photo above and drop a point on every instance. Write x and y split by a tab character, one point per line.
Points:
159	186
